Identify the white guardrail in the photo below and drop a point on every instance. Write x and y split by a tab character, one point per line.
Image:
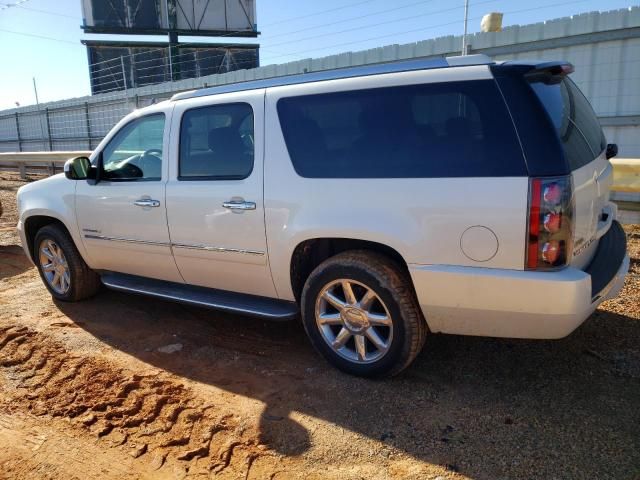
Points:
38	162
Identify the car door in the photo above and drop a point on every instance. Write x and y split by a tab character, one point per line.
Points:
214	195
123	218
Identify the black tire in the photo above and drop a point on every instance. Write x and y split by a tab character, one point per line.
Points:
84	282
394	289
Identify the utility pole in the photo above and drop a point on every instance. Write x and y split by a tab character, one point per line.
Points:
124	74
172	20
35	91
464	35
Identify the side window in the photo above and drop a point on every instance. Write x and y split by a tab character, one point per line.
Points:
135	152
453	129
216	143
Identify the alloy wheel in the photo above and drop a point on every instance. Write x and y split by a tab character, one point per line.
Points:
54	266
354	321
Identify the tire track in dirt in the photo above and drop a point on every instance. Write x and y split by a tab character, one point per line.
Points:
149	415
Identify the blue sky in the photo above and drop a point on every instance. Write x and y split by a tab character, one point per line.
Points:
291	29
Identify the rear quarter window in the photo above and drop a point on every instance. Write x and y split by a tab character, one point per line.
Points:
453	129
574	120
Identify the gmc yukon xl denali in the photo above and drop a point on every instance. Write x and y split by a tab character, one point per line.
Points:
377	203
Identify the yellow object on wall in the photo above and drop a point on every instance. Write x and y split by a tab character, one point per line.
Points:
626	175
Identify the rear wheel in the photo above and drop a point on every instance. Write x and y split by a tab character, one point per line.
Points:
361	314
62	269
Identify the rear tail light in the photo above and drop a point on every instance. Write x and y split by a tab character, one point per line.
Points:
551	251
550	226
552	222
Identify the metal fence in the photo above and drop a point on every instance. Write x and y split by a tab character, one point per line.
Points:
604	46
120	65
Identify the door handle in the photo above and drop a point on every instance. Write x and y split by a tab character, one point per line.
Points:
239	205
147	202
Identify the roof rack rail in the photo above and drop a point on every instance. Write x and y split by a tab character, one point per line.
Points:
338	73
464	60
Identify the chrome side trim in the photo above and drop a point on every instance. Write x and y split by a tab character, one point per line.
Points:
190	246
210	248
127	240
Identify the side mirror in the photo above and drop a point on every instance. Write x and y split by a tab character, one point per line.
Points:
612	150
77	168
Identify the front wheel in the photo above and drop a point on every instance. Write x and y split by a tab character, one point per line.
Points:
62	269
360	312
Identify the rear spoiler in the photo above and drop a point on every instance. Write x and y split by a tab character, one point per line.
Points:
546	72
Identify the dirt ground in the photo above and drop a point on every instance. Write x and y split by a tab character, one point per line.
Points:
85	393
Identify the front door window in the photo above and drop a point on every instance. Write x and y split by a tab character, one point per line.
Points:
135	152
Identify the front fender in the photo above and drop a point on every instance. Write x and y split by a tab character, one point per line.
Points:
53	197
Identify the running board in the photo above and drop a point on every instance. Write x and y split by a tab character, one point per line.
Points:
232	302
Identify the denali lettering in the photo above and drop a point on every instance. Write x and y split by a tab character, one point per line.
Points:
583	247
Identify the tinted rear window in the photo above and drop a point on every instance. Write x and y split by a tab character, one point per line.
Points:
454	129
574	120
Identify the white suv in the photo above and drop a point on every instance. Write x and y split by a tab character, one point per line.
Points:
379	202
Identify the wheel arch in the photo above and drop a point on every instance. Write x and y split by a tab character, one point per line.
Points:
34	223
310	253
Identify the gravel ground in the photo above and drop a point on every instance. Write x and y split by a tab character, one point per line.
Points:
87	392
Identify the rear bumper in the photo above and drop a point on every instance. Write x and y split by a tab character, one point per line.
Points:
604	268
520	304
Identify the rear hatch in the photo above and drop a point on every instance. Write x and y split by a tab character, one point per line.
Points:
584	148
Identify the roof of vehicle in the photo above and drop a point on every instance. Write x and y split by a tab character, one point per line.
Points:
359	71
